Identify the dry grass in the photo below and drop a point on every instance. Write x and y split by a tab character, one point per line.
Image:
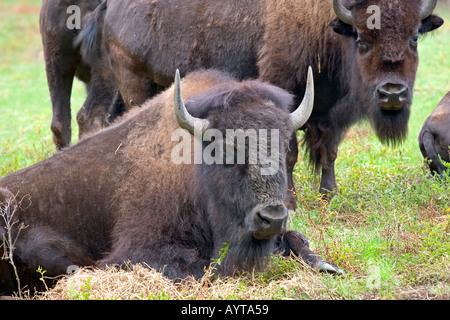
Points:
139	282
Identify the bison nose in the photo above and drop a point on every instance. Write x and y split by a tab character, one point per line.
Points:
392	96
269	221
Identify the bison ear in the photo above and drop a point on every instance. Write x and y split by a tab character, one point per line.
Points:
431	23
342	28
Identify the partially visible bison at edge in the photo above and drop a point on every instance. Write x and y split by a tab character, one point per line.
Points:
360	72
131	202
63	62
434	137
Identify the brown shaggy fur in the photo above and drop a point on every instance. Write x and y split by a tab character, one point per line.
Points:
63	62
434	137
275	40
130	202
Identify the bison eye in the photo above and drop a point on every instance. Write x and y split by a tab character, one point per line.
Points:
363	46
414	41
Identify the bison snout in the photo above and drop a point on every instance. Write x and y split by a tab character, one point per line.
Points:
392	96
268	221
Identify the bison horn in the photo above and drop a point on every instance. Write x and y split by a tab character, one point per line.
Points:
184	119
342	12
303	112
427	7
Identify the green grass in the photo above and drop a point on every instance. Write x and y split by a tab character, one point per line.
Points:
388	228
389	214
25	107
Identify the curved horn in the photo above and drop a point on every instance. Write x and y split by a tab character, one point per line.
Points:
342	12
303	112
427	7
184	119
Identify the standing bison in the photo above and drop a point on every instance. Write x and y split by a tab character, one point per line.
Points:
142	207
434	138
63	62
360	71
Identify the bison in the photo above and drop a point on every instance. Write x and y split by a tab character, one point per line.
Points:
133	202
361	71
434	137
63	62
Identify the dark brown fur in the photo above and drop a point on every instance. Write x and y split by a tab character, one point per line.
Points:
63	62
275	40
434	137
143	208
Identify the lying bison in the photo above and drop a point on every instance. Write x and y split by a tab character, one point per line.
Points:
63	62
361	70
132	202
434	138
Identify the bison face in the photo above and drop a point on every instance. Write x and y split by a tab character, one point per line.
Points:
248	186
243	170
245	130
384	38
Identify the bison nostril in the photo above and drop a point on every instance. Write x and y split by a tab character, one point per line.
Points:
264	221
382	94
392	96
265	218
269	221
273	213
401	93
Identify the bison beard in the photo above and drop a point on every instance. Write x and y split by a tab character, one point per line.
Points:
391	127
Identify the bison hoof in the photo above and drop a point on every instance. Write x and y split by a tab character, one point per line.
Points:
316	262
324	266
61	135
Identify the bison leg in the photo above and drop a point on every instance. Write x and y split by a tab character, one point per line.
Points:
427	147
291	160
293	242
328	186
321	140
60	70
175	262
54	251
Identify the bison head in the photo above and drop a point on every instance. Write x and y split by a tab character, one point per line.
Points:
384	36
248	122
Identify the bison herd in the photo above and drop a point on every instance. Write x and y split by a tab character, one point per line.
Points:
252	74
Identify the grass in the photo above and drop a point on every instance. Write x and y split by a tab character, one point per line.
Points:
388	228
25	107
